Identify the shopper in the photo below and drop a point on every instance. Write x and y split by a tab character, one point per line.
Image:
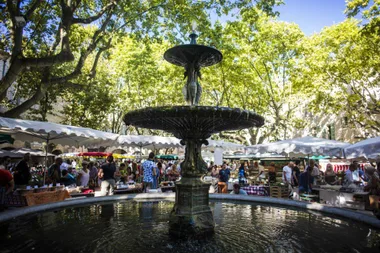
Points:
224	176
149	168
21	173
107	174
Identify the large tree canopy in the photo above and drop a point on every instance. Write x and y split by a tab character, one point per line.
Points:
39	38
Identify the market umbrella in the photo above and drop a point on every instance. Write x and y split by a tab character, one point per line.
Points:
95	154
302	146
28	130
167	157
4	153
369	149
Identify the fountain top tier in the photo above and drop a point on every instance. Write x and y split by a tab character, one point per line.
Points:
199	55
193	122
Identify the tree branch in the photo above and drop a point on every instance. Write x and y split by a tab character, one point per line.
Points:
78	69
32	9
27	104
98	54
96	17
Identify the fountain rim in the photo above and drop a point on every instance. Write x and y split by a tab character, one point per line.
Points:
345	213
221	118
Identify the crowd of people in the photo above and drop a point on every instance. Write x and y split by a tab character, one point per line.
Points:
151	172
354	177
104	174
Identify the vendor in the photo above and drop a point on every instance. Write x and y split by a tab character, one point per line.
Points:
67	178
348	178
330	176
373	187
306	180
173	173
130	176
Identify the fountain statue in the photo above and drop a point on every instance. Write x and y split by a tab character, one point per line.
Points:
192	124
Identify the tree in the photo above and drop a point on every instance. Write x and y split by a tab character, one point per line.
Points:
343	74
260	56
38	35
371	14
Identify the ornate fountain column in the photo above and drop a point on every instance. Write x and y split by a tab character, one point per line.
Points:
191	214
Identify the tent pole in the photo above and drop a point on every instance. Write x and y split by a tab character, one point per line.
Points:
46	153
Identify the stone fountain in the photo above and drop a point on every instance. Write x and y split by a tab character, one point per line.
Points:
193	124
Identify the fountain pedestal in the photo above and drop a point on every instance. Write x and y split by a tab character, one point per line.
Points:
191	214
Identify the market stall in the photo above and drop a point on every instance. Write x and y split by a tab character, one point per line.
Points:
302	146
47	132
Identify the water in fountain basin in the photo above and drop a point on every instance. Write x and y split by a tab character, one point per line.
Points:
143	227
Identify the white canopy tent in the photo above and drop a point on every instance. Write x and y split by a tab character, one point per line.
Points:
369	149
224	144
159	142
148	141
32	152
301	146
28	130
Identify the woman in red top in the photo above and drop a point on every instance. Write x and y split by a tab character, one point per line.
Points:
6	184
6	180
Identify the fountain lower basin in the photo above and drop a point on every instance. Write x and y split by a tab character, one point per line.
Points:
140	225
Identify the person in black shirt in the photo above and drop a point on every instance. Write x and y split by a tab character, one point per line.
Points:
296	174
22	172
107	174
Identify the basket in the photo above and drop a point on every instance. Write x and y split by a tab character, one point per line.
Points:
279	192
24	191
46	197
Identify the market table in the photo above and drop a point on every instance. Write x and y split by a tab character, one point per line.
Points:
128	190
356	200
82	194
256	190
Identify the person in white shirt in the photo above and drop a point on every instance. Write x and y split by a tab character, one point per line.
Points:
287	173
84	175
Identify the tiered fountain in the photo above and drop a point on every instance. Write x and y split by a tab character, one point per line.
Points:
193	124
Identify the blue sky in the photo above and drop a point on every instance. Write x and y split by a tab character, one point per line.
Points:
312	15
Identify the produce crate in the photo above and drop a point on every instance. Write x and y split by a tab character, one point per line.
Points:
279	192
